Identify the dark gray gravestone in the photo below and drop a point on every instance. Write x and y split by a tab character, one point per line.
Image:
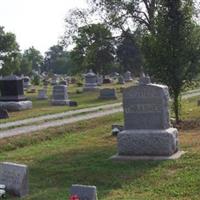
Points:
11	88
84	192
107	93
15	178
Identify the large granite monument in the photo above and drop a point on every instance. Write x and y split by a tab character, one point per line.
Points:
147	133
90	81
12	94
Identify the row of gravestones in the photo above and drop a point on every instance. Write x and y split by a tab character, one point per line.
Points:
12	95
92	80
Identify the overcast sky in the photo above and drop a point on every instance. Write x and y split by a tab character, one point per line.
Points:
37	23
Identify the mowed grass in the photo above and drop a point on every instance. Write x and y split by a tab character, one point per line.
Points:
79	153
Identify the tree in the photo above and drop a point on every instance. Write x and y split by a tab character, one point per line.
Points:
25	66
35	57
128	53
9	53
94	48
173	53
57	61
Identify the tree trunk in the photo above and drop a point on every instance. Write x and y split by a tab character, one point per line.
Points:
176	105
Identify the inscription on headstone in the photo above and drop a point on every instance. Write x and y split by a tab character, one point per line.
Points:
15	178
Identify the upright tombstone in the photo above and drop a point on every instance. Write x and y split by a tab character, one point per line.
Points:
15	178
60	95
12	94
121	80
26	82
107	93
90	81
84	192
128	77
147	133
42	94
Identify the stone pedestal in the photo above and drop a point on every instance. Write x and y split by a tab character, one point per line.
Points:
16	105
148	142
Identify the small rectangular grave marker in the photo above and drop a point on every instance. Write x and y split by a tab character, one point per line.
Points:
84	192
15	178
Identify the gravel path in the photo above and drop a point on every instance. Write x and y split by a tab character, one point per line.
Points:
56	116
33	128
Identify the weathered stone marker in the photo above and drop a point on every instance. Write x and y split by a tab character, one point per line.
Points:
107	93
90	81
42	94
15	178
147	133
84	192
60	96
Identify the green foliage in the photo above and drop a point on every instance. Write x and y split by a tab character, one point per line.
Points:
128	53
36	79
34	57
25	66
9	53
173	52
57	61
94	49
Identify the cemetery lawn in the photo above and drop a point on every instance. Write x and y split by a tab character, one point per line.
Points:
79	153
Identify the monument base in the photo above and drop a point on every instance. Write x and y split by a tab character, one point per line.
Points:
16	105
175	156
148	142
60	102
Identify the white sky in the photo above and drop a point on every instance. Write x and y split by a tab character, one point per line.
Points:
37	23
